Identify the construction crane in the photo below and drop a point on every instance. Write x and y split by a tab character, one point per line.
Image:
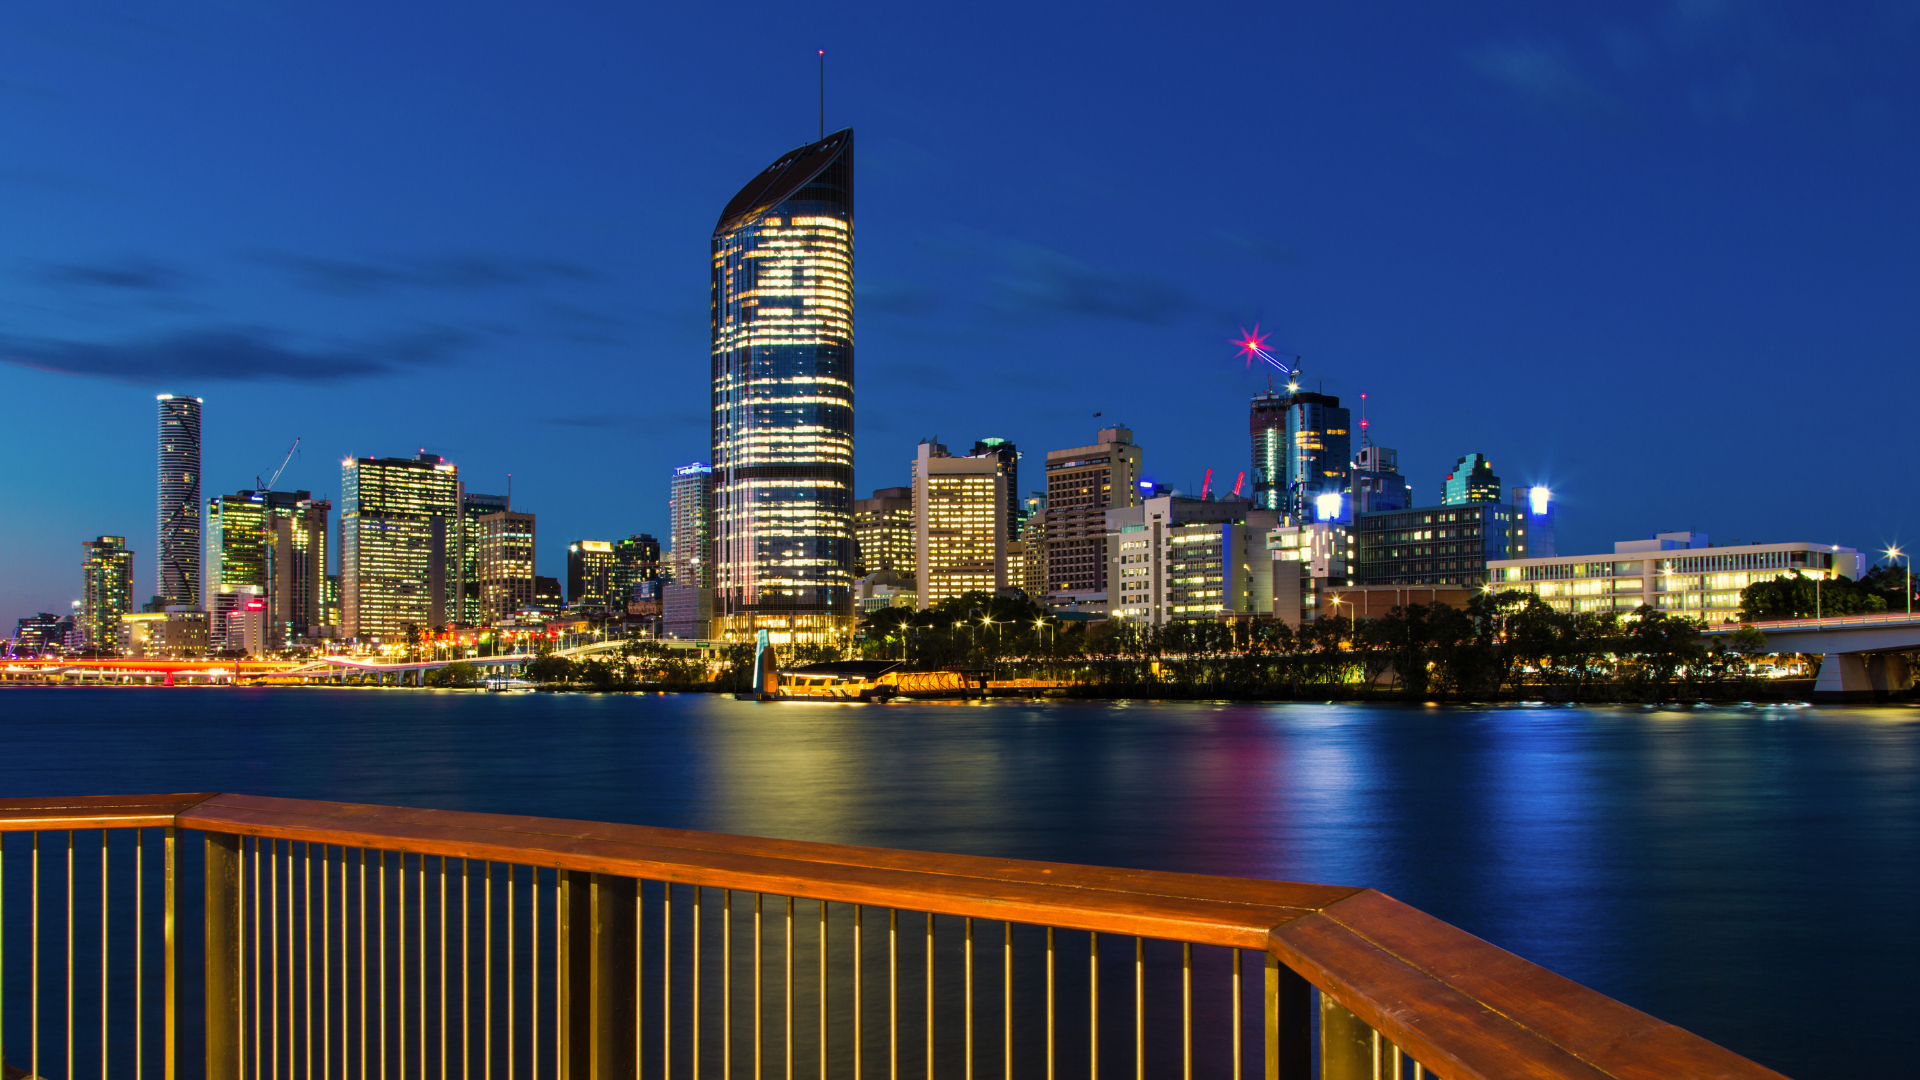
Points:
268	486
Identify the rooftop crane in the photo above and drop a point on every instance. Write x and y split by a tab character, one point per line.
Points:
268	486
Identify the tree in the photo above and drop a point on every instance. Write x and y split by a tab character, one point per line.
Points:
1797	596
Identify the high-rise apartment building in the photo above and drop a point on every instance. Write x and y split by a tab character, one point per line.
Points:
690	526
783	400
1471	481
883	531
1008	455
466	592
507	584
959	524
178	573
106	571
276	540
590	575
636	561
399	520
1267	424
1083	483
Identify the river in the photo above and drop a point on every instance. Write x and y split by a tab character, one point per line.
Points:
1748	873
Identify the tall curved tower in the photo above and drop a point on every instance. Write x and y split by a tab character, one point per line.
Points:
783	400
178	573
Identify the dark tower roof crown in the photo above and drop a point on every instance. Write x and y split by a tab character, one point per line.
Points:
778	181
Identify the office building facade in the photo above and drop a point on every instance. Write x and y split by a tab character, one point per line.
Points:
1176	559
1471	481
177	573
278	541
1008	455
636	563
783	369
399	518
690	525
590	575
883	531
1438	545
1083	483
507	581
468	607
959	524
106	584
1680	573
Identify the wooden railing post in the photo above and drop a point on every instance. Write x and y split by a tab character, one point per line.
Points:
597	1009
223	956
1347	1044
575	974
615	1012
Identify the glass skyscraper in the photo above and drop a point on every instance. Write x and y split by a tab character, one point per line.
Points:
178	573
782	324
1302	443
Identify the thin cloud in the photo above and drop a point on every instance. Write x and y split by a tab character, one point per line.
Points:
132	274
228	354
1040	283
1541	76
466	271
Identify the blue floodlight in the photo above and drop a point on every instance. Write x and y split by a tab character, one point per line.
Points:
1539	497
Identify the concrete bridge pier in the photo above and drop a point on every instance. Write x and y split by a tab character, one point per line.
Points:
1861	677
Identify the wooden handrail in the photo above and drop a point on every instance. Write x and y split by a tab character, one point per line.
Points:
1464	1007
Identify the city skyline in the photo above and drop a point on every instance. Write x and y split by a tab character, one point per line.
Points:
1509	215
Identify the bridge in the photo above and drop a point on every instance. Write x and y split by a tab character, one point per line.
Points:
1864	654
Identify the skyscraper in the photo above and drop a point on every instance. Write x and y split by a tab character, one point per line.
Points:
178	573
398	519
959	524
636	560
1376	481
1009	457
1082	484
590	574
1471	481
106	590
276	540
690	525
1302	446
506	542
466	594
783	400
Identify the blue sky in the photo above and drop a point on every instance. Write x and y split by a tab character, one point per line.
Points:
1661	256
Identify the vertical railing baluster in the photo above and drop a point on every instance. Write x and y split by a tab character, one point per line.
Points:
789	950
929	996
400	965
363	964
533	972
967	1027
486	993
103	953
1139	1009
139	951
259	1047
466	966
1237	1038
640	979
170	986
726	984
33	963
346	918
758	959
694	951
893	994
859	958
666	981
273	955
513	1015
222	1017
420	936
823	991
1050	1001
445	1065
1348	1050
326	971
67	1062
1186	1009
1093	1006
1006	997
306	946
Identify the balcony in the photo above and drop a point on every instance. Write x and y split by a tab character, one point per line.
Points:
236	936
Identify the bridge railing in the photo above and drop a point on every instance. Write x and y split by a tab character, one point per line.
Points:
335	939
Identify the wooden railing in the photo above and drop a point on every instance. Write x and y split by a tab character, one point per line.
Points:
372	941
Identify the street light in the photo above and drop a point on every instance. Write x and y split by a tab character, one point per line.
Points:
1894	552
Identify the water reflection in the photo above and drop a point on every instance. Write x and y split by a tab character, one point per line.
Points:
1713	866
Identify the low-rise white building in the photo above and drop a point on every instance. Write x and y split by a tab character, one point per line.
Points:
1678	572
1172	559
